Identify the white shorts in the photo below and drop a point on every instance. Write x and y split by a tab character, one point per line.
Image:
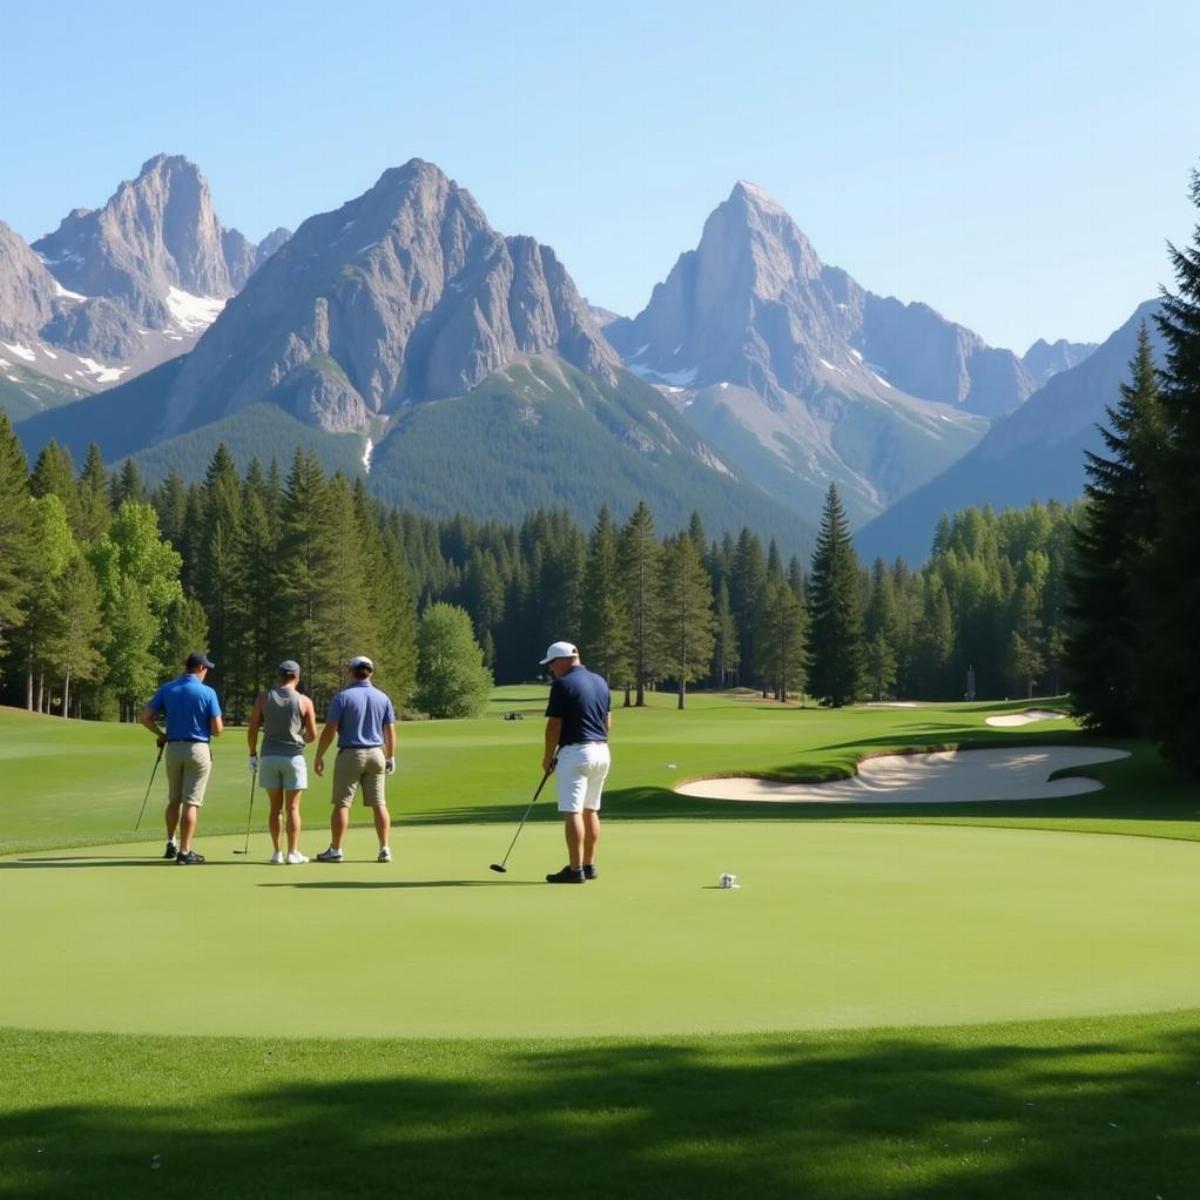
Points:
580	776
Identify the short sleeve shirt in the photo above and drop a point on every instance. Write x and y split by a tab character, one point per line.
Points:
581	701
190	707
361	711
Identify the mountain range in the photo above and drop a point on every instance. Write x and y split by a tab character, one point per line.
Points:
402	338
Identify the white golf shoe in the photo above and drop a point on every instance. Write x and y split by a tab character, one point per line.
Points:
385	854
277	858
294	857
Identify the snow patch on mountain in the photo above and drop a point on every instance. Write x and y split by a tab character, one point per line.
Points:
192	313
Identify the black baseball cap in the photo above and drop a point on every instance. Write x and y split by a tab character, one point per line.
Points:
197	659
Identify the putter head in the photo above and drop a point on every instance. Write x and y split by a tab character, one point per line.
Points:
498	867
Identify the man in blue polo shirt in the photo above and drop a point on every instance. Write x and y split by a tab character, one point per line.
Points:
193	719
365	723
578	719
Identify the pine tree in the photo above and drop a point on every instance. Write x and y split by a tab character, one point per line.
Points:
838	672
95	515
684	613
1171	666
640	560
726	644
16	535
781	639
54	475
79	637
747	586
304	547
1112	540
881	666
603	628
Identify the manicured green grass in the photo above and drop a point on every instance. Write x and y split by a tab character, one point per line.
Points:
1107	1110
635	999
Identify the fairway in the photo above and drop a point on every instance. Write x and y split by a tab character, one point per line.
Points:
837	925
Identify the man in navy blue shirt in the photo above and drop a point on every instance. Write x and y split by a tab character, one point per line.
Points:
578	719
193	715
365	723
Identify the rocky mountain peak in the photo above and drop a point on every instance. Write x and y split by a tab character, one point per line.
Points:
28	294
403	294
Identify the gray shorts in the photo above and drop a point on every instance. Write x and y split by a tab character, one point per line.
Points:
281	771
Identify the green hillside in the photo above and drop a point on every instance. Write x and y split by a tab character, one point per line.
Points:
25	393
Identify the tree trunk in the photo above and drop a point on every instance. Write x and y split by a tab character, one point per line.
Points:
66	704
29	689
682	695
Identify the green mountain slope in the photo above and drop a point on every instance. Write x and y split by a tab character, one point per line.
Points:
542	434
25	393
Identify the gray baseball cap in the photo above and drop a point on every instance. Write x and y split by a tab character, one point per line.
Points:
289	666
360	661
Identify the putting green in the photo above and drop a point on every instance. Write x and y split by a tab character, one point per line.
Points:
837	925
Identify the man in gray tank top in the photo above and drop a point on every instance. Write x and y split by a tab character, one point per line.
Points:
287	719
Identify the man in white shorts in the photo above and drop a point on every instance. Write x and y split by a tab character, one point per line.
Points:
578	720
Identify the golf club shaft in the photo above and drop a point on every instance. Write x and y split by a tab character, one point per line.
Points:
504	860
153	772
250	814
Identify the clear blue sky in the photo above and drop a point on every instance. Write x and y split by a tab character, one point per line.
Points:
1016	165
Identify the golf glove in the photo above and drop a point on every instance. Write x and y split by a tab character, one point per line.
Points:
389	766
252	763
161	740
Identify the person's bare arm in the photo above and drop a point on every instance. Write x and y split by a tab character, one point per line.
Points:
256	717
389	741
326	737
149	718
216	726
550	749
309	713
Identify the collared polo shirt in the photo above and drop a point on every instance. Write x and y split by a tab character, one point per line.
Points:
190	707
361	711
582	701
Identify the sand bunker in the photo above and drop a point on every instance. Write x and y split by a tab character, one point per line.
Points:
1028	717
947	777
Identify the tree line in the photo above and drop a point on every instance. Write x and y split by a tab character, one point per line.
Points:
1133	590
106	584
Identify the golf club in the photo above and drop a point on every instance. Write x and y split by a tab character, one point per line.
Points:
502	866
153	772
250	814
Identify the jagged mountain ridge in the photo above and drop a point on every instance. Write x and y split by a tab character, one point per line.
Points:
1035	453
463	363
799	376
404	294
1043	360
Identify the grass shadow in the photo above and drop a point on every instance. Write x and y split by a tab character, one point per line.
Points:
1031	1112
367	885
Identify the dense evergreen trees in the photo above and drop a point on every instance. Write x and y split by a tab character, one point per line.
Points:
1135	589
292	563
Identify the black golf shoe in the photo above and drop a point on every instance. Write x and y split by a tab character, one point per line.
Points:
188	858
590	872
567	875
171	851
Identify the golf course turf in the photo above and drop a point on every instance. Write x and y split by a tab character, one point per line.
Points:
857	1020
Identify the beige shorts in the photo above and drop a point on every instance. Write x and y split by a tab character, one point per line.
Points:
189	765
352	767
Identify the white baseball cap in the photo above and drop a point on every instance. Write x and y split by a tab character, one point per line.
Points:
559	650
360	660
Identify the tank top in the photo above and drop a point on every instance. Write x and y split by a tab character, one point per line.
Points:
283	726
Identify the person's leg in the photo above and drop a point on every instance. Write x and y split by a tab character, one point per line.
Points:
591	835
173	807
375	795
275	818
187	827
574	828
339	820
292	799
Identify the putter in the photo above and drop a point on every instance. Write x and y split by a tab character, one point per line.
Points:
250	814
153	771
502	865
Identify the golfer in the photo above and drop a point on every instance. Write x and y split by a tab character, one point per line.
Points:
365	723
193	719
578	720
288	720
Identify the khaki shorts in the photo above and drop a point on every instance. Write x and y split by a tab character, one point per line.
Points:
352	767
189	765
